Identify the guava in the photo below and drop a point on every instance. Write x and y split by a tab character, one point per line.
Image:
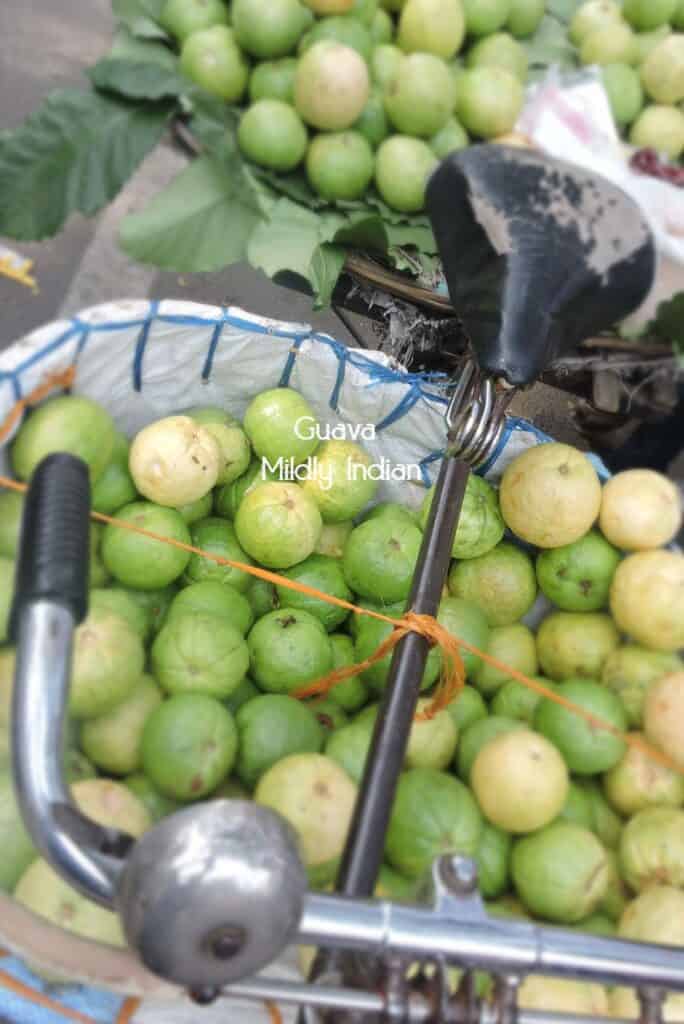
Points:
617	894
272	134
183	17
629	671
141	562
515	700
370	635
433	813
108	659
189	745
339	165
520	781
196	510
550	495
350	694
661	128
98	573
269	30
561	872
174	461
608	45
656	915
640	508
204	414
390	510
114	487
17	849
70	424
525	17
493	861
587	749
155	803
382	28
449	139
644	42
485	16
605	822
357	619
194	653
480	525
638	781
218	537
329	715
212	59
402	168
120	602
273	80
393	886
380	557
500	50
625	1005
652	848
234	448
432	26
329	6
647	598
348	31
6	595
465	621
384	63
11	511
333	538
209	597
262	597
420	99
626	98
280	424
349	746
501	583
577	808
561	995
288	649
513	645
7	660
466	708
645	15
593	15
270	728
365	11
474	738
278	524
576	577
339	481
111	805
113	741
317	798
324	574
332	86
432	742
242	694
664	715
227	499
575	644
155	603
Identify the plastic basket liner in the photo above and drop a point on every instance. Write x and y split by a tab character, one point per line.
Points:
143	360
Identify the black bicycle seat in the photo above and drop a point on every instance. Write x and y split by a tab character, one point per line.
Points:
538	254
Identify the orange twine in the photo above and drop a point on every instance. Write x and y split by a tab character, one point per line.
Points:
128	1008
61	379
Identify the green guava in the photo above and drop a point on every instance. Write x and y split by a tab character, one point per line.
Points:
329	715
645	15
561	872
189	745
515	700
262	597
499	50
339	482
485	16
473	738
432	742
272	134
227	499
501	582
575	644
431	26
204	414
11	511
209	597
350	694
155	604
390	510
644	42
577	808
379	559
70	423
119	601
433	813
141	562
449	139
114	487
317	798
17	849
344	29
270	728
107	661
490	100
617	894
629	671
384	63
592	15
393	886
365	11
6	595
324	574
183	17
280	424
562	995
493	859
333	538
382	28
218	537
468	707
156	804
234	448
288	649
656	915
332	86
661	128
113	741
520	781
273	80
480	526
605	822
588	750
269	30
402	168
612	44
513	645
242	694
278	524
339	165
652	848
420	99
623	88
6	686
465	621
373	632
98	573
577	576
212	59
525	17
194	653
349	746
111	805
638	781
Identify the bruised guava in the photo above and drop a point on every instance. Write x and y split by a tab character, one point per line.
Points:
324	574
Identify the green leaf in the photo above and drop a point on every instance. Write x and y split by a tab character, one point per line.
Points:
364	231
73	154
563	9
137	80
327	263
200	222
289	237
126	46
214	125
141	17
294	186
668	324
412	234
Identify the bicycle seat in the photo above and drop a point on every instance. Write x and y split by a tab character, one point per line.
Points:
538	254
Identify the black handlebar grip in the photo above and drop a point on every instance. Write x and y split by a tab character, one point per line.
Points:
54	549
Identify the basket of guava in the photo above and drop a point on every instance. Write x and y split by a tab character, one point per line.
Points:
275	446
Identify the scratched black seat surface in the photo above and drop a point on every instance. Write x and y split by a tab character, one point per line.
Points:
538	254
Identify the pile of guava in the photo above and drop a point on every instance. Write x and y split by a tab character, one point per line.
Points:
187	668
